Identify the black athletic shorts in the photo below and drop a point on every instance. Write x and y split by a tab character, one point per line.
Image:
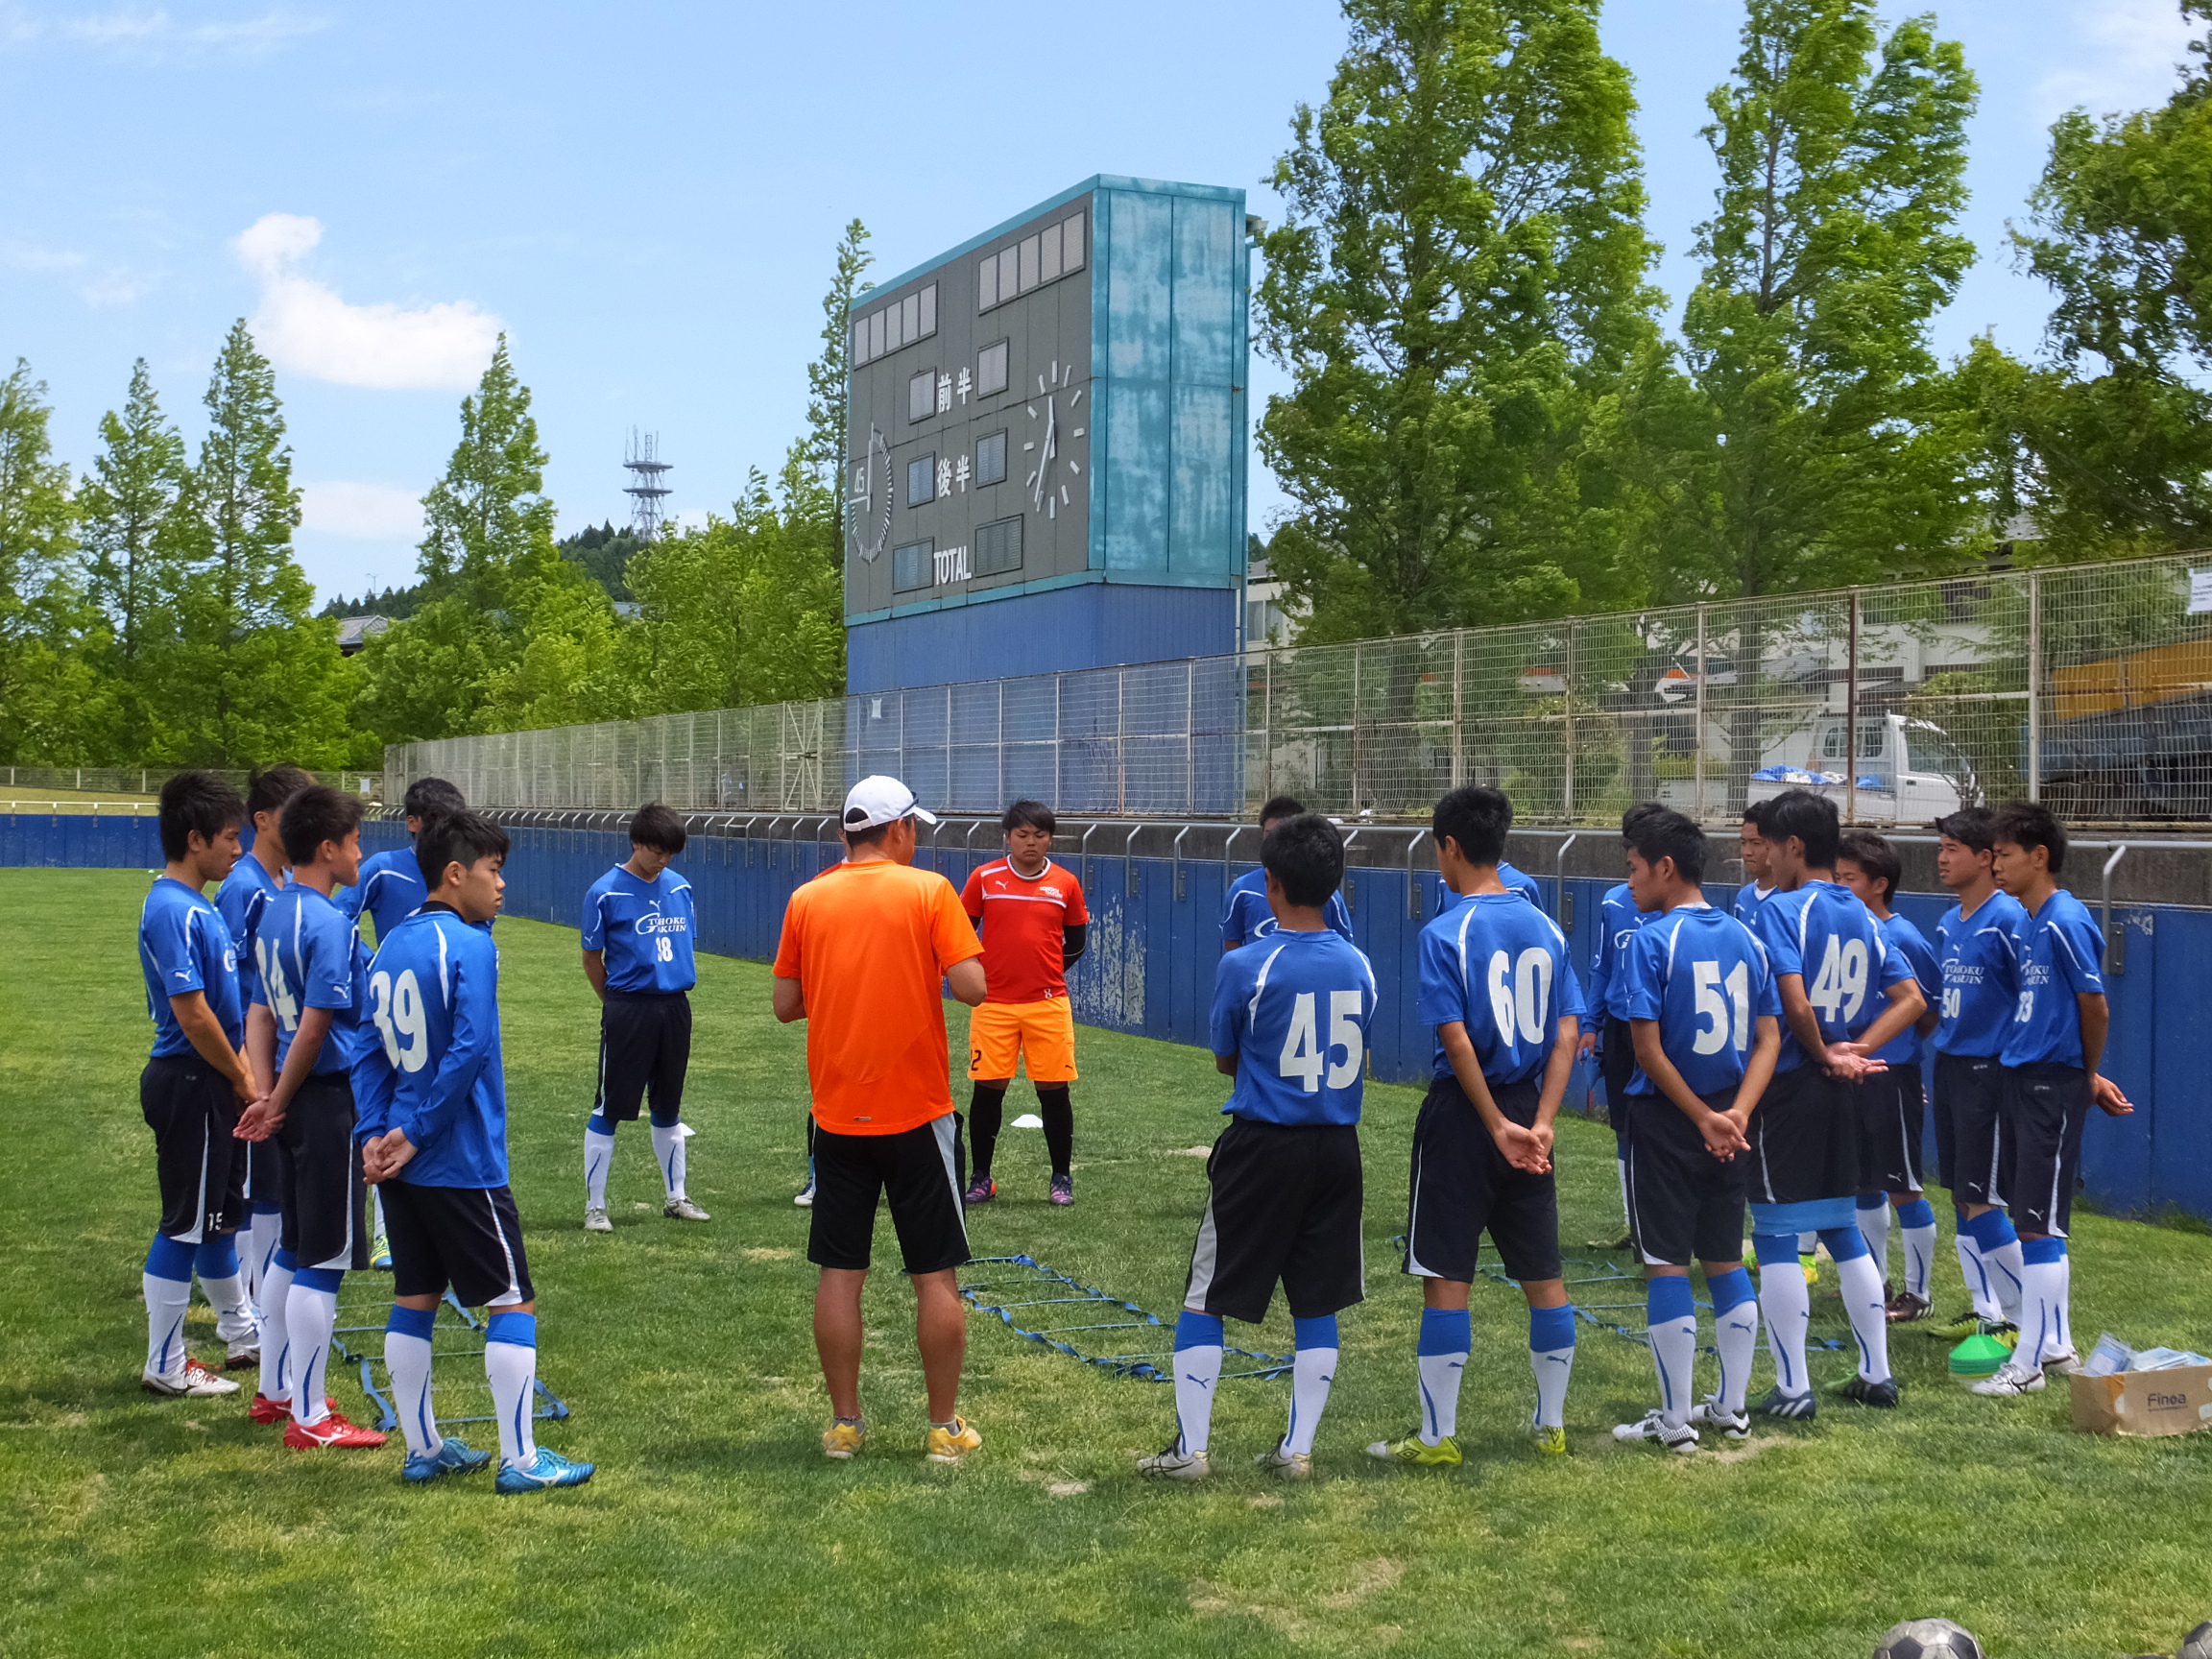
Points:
1684	1204
468	1237
2045	1108
644	1043
1969	1126
1617	1064
1284	1205
1892	1121
1804	1138
923	1171
199	1164
326	1203
264	1174
1462	1187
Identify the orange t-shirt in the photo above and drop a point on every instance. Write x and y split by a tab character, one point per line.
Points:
869	944
1021	917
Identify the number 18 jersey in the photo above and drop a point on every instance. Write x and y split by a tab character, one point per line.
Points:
1497	965
1296	1009
1706	981
1823	934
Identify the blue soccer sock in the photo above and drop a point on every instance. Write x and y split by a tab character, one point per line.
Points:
2042	1301
1859	1280
1736	1334
1788	1307
407	1357
277	1370
1918	1220
511	1366
310	1315
1671	1314
1447	1337
1198	1340
1551	1357
2000	1248
1873	1216
167	1282
598	1155
1311	1370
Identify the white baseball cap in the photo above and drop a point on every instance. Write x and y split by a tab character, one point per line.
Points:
880	800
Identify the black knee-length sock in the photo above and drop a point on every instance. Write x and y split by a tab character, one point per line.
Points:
985	1113
1058	1114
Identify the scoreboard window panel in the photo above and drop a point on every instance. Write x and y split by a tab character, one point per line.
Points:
1071	244
999	548
928	300
991	369
987	283
922	480
921	396
876	335
1048	254
990	458
911	565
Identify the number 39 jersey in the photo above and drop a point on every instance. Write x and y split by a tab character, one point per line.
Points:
1296	1010
307	956
436	1071
1706	981
1824	935
1497	965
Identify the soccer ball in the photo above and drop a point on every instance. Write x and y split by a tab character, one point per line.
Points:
1928	1639
2198	1644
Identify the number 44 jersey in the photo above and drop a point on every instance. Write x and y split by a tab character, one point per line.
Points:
1705	980
1295	1009
1824	935
1499	966
434	999
307	956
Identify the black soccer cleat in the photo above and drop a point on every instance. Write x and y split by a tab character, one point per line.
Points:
1884	1395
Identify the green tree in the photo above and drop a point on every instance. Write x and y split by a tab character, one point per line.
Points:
1461	277
45	682
823	449
132	532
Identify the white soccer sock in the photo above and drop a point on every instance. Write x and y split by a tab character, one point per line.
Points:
264	1232
233	1313
309	1314
1311	1371
276	1333
598	1155
1975	1273
1197	1373
1920	1258
2042	1302
668	1152
408	1359
1674	1356
512	1368
1787	1306
1861	1282
1874	1228
375	1213
1808	1242
2005	1279
1736	1334
2065	1304
1620	1169
166	1302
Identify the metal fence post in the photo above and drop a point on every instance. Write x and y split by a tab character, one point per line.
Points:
1190	736
1567	795
1458	674
2034	685
1267	731
1353	803
1851	716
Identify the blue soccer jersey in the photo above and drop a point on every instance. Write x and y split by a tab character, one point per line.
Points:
1749	899
645	927
185	946
243	896
1980	977
434	997
311	957
1516	881
390	890
2061	954
1822	933
1619	921
1907	941
1245	916
1497	965
1295	1009
1706	980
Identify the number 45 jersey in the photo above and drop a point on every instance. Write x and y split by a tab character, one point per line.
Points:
1702	977
1824	935
1296	1010
434	1001
1498	965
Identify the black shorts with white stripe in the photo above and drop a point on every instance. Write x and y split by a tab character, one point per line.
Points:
1284	1207
1969	1130
1804	1136
468	1237
644	1045
2045	1108
323	1201
1684	1204
922	1170
1463	1186
201	1165
1892	1119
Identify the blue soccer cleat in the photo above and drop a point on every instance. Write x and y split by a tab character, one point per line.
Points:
551	1470
453	1458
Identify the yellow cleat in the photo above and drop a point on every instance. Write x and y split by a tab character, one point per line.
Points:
951	1445
843	1440
1812	1265
1550	1440
1415	1453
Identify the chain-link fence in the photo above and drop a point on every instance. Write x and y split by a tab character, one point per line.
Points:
2088	688
122	782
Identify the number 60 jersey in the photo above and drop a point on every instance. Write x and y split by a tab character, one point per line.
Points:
1497	965
1296	1009
434	999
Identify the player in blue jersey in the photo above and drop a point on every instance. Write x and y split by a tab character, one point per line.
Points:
1844	994
254	881
1751	847
638	927
1979	997
1292	1011
434	1136
1892	1104
1244	912
197	1079
1707	1028
1513	881
390	883
2051	1058
1498	991
1607	1033
312	978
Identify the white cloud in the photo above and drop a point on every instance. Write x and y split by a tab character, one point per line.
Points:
156	31
2124	57
305	326
361	512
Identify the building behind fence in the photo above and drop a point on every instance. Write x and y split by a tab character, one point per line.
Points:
2087	687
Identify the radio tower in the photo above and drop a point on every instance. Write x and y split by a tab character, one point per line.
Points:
642	460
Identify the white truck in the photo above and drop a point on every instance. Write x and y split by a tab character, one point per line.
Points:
1907	771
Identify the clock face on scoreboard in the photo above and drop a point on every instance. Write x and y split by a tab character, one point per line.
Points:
868	503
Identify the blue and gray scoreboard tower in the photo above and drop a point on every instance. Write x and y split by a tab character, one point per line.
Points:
1047	443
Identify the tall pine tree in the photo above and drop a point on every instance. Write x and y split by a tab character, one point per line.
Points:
46	685
133	536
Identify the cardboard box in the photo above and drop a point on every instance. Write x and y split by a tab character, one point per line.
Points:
2175	1401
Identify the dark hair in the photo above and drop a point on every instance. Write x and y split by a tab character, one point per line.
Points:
871	836
196	804
1877	857
1028	815
1756	813
1304	853
427	797
1974	827
1476	818
1663	834
267	790
659	828
1809	817
1280	806
465	838
2024	824
316	814
1641	809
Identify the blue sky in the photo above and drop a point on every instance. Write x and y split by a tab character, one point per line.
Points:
646	200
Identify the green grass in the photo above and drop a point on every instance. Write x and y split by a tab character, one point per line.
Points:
130	1525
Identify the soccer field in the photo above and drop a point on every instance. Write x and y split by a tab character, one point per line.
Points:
134	1525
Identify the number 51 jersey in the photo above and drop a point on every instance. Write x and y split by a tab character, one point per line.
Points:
1705	980
434	999
1296	1009
1498	965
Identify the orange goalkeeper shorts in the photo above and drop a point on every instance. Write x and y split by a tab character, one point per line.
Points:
1043	1033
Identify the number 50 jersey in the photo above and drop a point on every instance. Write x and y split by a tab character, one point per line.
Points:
1296	1009
433	1000
1705	980
1499	966
1824	935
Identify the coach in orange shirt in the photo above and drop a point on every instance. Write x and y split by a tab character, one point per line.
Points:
865	945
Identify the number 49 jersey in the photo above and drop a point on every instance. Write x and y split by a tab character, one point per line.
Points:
1824	935
1706	980
1296	1010
1498	965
